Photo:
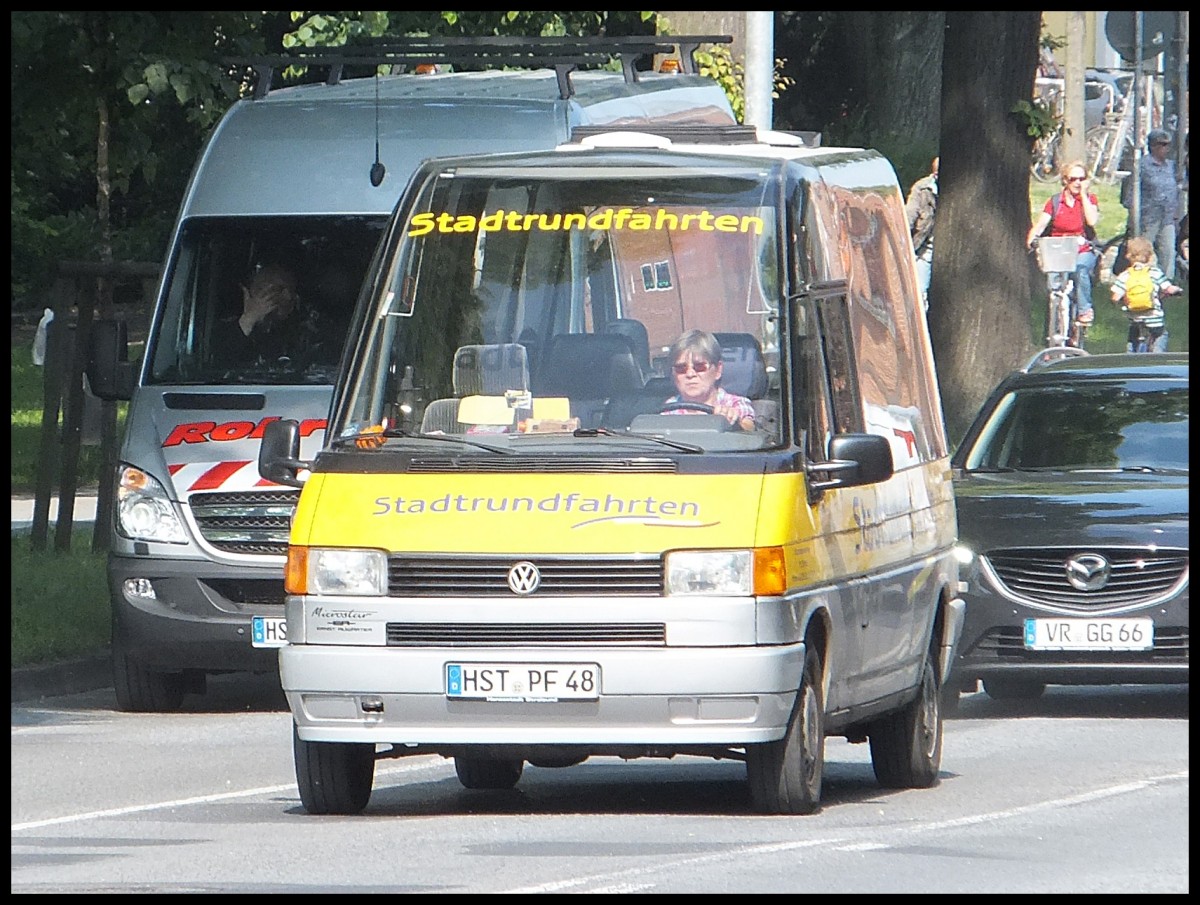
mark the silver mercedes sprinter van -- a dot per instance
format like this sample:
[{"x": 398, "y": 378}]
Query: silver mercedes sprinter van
[{"x": 289, "y": 198}]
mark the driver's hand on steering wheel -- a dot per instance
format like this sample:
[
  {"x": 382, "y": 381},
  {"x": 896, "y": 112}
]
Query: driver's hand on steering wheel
[{"x": 729, "y": 413}]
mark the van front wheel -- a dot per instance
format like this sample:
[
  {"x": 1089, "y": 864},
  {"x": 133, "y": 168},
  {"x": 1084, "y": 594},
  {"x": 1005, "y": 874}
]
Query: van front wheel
[
  {"x": 333, "y": 777},
  {"x": 906, "y": 746},
  {"x": 143, "y": 690},
  {"x": 785, "y": 776}
]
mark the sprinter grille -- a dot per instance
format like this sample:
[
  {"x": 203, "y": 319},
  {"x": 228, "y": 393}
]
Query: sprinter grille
[
  {"x": 487, "y": 576},
  {"x": 254, "y": 523},
  {"x": 524, "y": 634}
]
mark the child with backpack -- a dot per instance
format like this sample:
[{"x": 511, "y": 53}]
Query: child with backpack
[{"x": 1139, "y": 290}]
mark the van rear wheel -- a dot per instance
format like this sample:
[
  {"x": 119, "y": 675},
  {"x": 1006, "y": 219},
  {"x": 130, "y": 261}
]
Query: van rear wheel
[
  {"x": 785, "y": 776},
  {"x": 906, "y": 746},
  {"x": 333, "y": 777},
  {"x": 487, "y": 773}
]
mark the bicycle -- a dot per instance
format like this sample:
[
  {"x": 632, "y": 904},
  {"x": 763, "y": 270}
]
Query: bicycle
[
  {"x": 1143, "y": 337},
  {"x": 1056, "y": 258}
]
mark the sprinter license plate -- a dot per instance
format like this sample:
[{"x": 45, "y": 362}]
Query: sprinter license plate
[
  {"x": 523, "y": 682},
  {"x": 1089, "y": 634},
  {"x": 268, "y": 631}
]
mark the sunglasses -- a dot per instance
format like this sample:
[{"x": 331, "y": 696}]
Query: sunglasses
[
  {"x": 698, "y": 366},
  {"x": 1076, "y": 178}
]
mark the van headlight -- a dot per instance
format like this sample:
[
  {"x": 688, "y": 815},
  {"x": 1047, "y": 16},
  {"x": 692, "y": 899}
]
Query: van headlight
[
  {"x": 760, "y": 572},
  {"x": 336, "y": 571},
  {"x": 144, "y": 511},
  {"x": 709, "y": 573}
]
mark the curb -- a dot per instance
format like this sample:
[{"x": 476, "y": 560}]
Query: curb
[{"x": 87, "y": 673}]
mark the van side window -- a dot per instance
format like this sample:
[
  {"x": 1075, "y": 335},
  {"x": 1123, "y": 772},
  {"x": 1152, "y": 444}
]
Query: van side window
[{"x": 829, "y": 401}]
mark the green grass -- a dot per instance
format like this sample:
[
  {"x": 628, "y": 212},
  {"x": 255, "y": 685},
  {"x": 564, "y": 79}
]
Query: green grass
[
  {"x": 27, "y": 394},
  {"x": 60, "y": 604}
]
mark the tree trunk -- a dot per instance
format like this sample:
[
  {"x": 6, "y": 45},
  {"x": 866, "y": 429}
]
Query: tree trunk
[
  {"x": 983, "y": 278},
  {"x": 900, "y": 54}
]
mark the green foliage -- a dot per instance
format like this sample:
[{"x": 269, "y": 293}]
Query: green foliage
[
  {"x": 1037, "y": 119},
  {"x": 60, "y": 605}
]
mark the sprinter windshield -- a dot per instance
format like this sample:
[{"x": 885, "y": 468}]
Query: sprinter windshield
[
  {"x": 538, "y": 307},
  {"x": 261, "y": 300}
]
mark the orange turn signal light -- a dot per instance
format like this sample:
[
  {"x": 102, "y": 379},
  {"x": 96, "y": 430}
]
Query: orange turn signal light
[
  {"x": 770, "y": 572},
  {"x": 295, "y": 573}
]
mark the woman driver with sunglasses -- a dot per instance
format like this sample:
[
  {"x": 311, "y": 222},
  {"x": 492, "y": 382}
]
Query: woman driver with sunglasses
[{"x": 696, "y": 368}]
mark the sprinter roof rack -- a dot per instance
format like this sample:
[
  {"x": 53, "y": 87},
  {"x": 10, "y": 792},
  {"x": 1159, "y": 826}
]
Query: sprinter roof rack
[
  {"x": 682, "y": 133},
  {"x": 563, "y": 54}
]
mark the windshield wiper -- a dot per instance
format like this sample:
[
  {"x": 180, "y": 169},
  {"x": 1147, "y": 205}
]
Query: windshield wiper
[
  {"x": 624, "y": 435},
  {"x": 399, "y": 432}
]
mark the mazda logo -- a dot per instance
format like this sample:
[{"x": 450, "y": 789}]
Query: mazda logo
[
  {"x": 1085, "y": 571},
  {"x": 524, "y": 578}
]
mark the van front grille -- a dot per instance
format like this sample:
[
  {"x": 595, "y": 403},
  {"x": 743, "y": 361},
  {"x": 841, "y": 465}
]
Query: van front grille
[
  {"x": 254, "y": 523},
  {"x": 524, "y": 634},
  {"x": 488, "y": 576}
]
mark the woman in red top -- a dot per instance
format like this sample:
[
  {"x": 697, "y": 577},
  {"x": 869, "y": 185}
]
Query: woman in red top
[{"x": 1073, "y": 212}]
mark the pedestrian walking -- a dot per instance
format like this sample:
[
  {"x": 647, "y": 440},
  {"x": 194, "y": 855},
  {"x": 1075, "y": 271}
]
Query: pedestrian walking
[{"x": 922, "y": 208}]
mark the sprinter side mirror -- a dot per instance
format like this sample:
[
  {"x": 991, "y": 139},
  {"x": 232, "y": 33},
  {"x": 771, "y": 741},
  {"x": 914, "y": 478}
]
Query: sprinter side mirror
[
  {"x": 279, "y": 455},
  {"x": 854, "y": 460},
  {"x": 109, "y": 371}
]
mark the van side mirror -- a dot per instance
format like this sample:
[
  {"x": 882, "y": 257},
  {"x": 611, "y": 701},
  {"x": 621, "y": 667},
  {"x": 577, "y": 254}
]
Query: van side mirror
[
  {"x": 109, "y": 371},
  {"x": 278, "y": 456},
  {"x": 854, "y": 460}
]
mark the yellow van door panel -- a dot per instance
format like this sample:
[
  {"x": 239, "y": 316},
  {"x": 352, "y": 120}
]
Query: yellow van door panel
[{"x": 530, "y": 513}]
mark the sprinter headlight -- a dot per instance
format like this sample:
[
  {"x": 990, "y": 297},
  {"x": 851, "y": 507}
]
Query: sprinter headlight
[
  {"x": 143, "y": 510},
  {"x": 336, "y": 571}
]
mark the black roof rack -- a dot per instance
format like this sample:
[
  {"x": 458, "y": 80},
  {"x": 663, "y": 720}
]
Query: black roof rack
[{"x": 563, "y": 54}]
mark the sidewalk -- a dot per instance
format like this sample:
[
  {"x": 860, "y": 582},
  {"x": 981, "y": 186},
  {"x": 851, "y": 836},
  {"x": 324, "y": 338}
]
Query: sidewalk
[{"x": 22, "y": 512}]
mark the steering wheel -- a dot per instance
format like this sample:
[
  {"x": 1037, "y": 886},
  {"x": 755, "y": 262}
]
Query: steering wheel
[{"x": 686, "y": 406}]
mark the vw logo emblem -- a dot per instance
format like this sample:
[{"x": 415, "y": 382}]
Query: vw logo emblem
[
  {"x": 1085, "y": 571},
  {"x": 524, "y": 578}
]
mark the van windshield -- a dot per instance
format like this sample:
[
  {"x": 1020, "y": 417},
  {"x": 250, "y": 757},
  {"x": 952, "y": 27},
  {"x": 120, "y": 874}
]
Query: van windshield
[
  {"x": 261, "y": 300},
  {"x": 570, "y": 307}
]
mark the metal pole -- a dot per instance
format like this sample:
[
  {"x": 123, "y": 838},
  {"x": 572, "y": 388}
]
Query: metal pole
[
  {"x": 760, "y": 67},
  {"x": 1135, "y": 203}
]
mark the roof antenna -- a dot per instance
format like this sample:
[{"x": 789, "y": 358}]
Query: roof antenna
[{"x": 377, "y": 168}]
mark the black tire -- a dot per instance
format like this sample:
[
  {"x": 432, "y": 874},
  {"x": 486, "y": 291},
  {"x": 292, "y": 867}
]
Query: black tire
[
  {"x": 785, "y": 776},
  {"x": 333, "y": 777},
  {"x": 906, "y": 746},
  {"x": 487, "y": 773},
  {"x": 1012, "y": 689},
  {"x": 143, "y": 690}
]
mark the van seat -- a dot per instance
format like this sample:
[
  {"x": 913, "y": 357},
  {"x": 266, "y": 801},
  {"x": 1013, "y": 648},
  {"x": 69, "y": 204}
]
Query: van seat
[
  {"x": 744, "y": 369},
  {"x": 487, "y": 370},
  {"x": 491, "y": 369},
  {"x": 588, "y": 368},
  {"x": 639, "y": 338}
]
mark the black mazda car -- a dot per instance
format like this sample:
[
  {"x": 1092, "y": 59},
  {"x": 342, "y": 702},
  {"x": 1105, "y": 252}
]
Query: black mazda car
[{"x": 1072, "y": 497}]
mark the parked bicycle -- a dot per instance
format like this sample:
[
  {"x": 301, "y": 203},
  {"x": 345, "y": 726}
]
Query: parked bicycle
[{"x": 1057, "y": 256}]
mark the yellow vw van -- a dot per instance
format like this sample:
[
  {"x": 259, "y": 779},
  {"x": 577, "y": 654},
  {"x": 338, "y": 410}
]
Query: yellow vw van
[{"x": 636, "y": 451}]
